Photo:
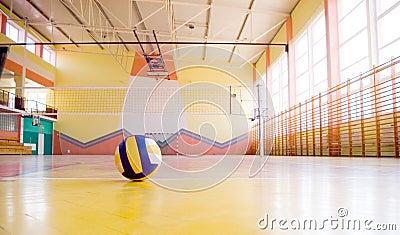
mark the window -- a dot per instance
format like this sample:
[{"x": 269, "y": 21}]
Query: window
[
  {"x": 49, "y": 56},
  {"x": 367, "y": 37},
  {"x": 37, "y": 101},
  {"x": 302, "y": 67},
  {"x": 388, "y": 12},
  {"x": 12, "y": 32},
  {"x": 37, "y": 98},
  {"x": 16, "y": 34},
  {"x": 310, "y": 56},
  {"x": 279, "y": 73},
  {"x": 31, "y": 48},
  {"x": 367, "y": 34},
  {"x": 8, "y": 122},
  {"x": 353, "y": 38}
]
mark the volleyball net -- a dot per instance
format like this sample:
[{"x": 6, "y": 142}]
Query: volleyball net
[
  {"x": 213, "y": 118},
  {"x": 110, "y": 100}
]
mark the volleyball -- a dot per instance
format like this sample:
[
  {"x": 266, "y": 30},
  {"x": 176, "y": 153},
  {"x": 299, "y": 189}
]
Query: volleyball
[{"x": 138, "y": 157}]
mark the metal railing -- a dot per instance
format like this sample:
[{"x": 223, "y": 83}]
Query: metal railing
[
  {"x": 356, "y": 118},
  {"x": 21, "y": 103}
]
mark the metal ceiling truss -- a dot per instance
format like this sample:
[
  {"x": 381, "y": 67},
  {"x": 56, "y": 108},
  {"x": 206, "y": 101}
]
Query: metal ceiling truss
[
  {"x": 231, "y": 7},
  {"x": 98, "y": 22},
  {"x": 108, "y": 30},
  {"x": 91, "y": 12},
  {"x": 110, "y": 22},
  {"x": 34, "y": 6},
  {"x": 79, "y": 17},
  {"x": 175, "y": 29}
]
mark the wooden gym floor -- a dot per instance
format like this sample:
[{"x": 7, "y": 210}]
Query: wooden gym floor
[{"x": 87, "y": 195}]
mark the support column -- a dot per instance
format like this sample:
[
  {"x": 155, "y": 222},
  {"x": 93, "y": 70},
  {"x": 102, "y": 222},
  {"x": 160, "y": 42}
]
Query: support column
[
  {"x": 3, "y": 24},
  {"x": 270, "y": 130},
  {"x": 19, "y": 92},
  {"x": 268, "y": 76},
  {"x": 291, "y": 87},
  {"x": 332, "y": 46}
]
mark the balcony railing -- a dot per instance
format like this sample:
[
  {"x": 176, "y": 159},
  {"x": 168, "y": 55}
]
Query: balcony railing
[{"x": 21, "y": 103}]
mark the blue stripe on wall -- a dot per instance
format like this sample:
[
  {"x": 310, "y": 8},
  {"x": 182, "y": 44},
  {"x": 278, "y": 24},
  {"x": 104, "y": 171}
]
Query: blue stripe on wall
[{"x": 162, "y": 144}]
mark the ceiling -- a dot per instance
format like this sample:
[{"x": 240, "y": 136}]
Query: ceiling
[{"x": 172, "y": 20}]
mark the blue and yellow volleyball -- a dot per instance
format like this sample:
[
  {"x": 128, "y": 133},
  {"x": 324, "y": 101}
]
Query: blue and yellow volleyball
[{"x": 138, "y": 157}]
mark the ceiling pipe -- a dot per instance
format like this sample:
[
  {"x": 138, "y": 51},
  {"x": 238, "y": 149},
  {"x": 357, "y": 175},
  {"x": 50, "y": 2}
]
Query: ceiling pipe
[{"x": 149, "y": 43}]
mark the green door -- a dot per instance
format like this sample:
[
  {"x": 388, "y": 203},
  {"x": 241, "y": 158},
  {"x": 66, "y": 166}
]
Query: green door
[{"x": 31, "y": 135}]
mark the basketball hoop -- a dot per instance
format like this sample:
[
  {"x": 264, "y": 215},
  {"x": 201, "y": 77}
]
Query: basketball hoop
[{"x": 35, "y": 120}]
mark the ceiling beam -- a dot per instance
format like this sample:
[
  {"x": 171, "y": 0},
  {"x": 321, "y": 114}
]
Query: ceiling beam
[
  {"x": 122, "y": 30},
  {"x": 208, "y": 19},
  {"x": 147, "y": 17},
  {"x": 269, "y": 30},
  {"x": 258, "y": 54},
  {"x": 91, "y": 27},
  {"x": 241, "y": 29},
  {"x": 227, "y": 6}
]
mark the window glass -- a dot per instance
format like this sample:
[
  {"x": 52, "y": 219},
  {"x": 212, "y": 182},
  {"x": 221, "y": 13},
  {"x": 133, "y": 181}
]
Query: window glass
[
  {"x": 384, "y": 5},
  {"x": 12, "y": 32},
  {"x": 346, "y": 6},
  {"x": 279, "y": 84},
  {"x": 319, "y": 50},
  {"x": 31, "y": 48},
  {"x": 353, "y": 22},
  {"x": 388, "y": 27},
  {"x": 49, "y": 56},
  {"x": 320, "y": 74},
  {"x": 354, "y": 50},
  {"x": 311, "y": 68}
]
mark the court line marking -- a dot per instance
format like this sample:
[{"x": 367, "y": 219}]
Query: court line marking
[{"x": 169, "y": 179}]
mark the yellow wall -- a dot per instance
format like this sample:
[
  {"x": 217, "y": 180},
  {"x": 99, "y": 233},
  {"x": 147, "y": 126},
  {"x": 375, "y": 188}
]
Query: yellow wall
[
  {"x": 261, "y": 64},
  {"x": 220, "y": 73},
  {"x": 280, "y": 37},
  {"x": 86, "y": 114},
  {"x": 304, "y": 11},
  {"x": 220, "y": 128},
  {"x": 92, "y": 67}
]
